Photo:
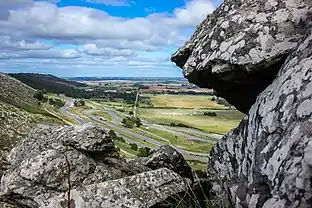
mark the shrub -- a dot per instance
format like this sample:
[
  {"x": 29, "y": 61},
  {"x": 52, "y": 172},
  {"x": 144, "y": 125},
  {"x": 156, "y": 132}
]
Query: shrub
[
  {"x": 145, "y": 152},
  {"x": 210, "y": 113},
  {"x": 134, "y": 146},
  {"x": 120, "y": 139},
  {"x": 112, "y": 134}
]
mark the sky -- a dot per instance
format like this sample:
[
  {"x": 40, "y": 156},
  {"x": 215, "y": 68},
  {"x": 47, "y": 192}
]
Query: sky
[{"x": 97, "y": 38}]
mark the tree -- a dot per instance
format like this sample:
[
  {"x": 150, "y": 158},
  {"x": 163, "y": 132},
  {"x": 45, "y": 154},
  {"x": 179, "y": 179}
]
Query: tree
[
  {"x": 112, "y": 134},
  {"x": 138, "y": 122},
  {"x": 128, "y": 122},
  {"x": 145, "y": 152},
  {"x": 130, "y": 113},
  {"x": 134, "y": 146}
]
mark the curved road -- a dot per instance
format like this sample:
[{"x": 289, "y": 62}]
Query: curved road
[{"x": 69, "y": 103}]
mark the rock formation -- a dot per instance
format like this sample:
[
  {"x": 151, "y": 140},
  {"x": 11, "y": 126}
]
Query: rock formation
[
  {"x": 258, "y": 55},
  {"x": 239, "y": 49},
  {"x": 52, "y": 160}
]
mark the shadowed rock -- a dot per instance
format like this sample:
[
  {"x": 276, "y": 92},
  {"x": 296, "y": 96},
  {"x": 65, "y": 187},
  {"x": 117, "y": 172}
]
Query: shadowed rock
[
  {"x": 267, "y": 160},
  {"x": 239, "y": 48},
  {"x": 168, "y": 157}
]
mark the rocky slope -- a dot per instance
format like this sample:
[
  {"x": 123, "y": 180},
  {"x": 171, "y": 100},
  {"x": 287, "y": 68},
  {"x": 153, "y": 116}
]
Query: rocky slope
[
  {"x": 15, "y": 121},
  {"x": 52, "y": 160},
  {"x": 258, "y": 55}
]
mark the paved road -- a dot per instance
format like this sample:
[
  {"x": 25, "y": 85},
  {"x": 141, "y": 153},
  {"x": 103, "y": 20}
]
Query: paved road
[
  {"x": 69, "y": 103},
  {"x": 112, "y": 112},
  {"x": 189, "y": 155}
]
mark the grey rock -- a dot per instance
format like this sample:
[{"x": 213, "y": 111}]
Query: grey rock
[
  {"x": 239, "y": 49},
  {"x": 168, "y": 157},
  {"x": 138, "y": 191},
  {"x": 267, "y": 160},
  {"x": 40, "y": 164}
]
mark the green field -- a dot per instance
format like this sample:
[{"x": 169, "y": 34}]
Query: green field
[
  {"x": 184, "y": 101},
  {"x": 222, "y": 123}
]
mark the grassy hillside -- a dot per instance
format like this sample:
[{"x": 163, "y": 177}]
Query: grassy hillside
[
  {"x": 12, "y": 90},
  {"x": 19, "y": 112},
  {"x": 48, "y": 82}
]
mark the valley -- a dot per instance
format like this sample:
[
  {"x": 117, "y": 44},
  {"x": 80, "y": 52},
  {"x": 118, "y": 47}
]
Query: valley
[{"x": 170, "y": 112}]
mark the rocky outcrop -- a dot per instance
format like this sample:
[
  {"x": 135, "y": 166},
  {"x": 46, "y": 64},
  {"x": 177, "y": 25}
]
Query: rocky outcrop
[
  {"x": 168, "y": 157},
  {"x": 138, "y": 191},
  {"x": 239, "y": 49},
  {"x": 258, "y": 55},
  {"x": 267, "y": 160},
  {"x": 53, "y": 160}
]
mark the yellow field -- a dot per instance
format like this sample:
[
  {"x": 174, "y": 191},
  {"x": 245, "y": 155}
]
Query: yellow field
[{"x": 184, "y": 101}]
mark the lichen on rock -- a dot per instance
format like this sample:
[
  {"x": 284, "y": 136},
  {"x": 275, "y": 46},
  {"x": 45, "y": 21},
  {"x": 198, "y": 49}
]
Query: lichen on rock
[{"x": 240, "y": 47}]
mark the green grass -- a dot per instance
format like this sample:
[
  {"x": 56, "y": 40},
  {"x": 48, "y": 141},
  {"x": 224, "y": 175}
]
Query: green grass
[
  {"x": 31, "y": 109},
  {"x": 126, "y": 148},
  {"x": 222, "y": 123},
  {"x": 146, "y": 143},
  {"x": 103, "y": 114},
  {"x": 197, "y": 165},
  {"x": 184, "y": 101},
  {"x": 183, "y": 143}
]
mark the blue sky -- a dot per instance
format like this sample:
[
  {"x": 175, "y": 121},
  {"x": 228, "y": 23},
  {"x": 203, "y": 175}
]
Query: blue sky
[{"x": 71, "y": 38}]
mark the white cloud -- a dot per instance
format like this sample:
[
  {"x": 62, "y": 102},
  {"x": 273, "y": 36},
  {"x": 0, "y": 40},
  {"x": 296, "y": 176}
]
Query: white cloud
[
  {"x": 93, "y": 34},
  {"x": 92, "y": 49},
  {"x": 112, "y": 2},
  {"x": 42, "y": 54}
]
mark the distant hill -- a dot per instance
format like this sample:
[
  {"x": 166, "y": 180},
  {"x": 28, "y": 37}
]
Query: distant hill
[{"x": 49, "y": 83}]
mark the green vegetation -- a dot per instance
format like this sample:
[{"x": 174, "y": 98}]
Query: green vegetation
[
  {"x": 130, "y": 122},
  {"x": 184, "y": 101},
  {"x": 31, "y": 109},
  {"x": 145, "y": 152},
  {"x": 181, "y": 142},
  {"x": 79, "y": 103},
  {"x": 222, "y": 123},
  {"x": 103, "y": 114},
  {"x": 56, "y": 102}
]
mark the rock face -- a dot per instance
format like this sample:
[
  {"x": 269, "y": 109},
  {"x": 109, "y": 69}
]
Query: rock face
[
  {"x": 243, "y": 49},
  {"x": 168, "y": 157},
  {"x": 139, "y": 191},
  {"x": 239, "y": 49},
  {"x": 267, "y": 160},
  {"x": 53, "y": 159}
]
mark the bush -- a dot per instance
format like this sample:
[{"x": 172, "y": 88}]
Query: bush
[
  {"x": 134, "y": 146},
  {"x": 128, "y": 122},
  {"x": 209, "y": 113},
  {"x": 56, "y": 102},
  {"x": 79, "y": 103},
  {"x": 145, "y": 152},
  {"x": 112, "y": 134},
  {"x": 120, "y": 139},
  {"x": 40, "y": 96}
]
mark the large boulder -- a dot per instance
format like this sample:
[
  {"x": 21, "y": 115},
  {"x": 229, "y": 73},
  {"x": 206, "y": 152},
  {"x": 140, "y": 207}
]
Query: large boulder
[
  {"x": 45, "y": 159},
  {"x": 239, "y": 48},
  {"x": 83, "y": 159},
  {"x": 168, "y": 157},
  {"x": 138, "y": 191},
  {"x": 267, "y": 160}
]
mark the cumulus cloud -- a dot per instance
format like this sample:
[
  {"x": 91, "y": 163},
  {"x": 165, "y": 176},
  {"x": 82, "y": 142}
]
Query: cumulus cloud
[
  {"x": 42, "y": 54},
  {"x": 92, "y": 49},
  {"x": 27, "y": 26},
  {"x": 112, "y": 2}
]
